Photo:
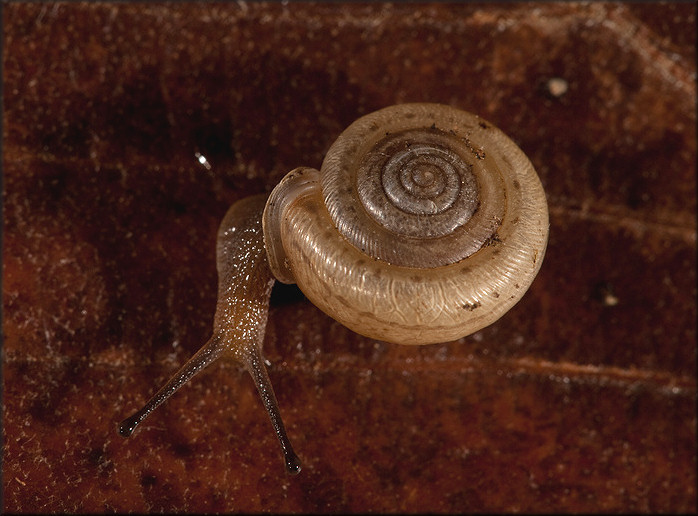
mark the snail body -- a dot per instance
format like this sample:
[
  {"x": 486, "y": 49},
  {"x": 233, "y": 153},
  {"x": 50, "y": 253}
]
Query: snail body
[{"x": 424, "y": 225}]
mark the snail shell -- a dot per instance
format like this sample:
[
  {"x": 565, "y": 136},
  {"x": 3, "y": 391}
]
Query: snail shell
[{"x": 425, "y": 224}]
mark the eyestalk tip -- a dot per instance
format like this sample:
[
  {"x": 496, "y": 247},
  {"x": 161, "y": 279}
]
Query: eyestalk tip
[
  {"x": 293, "y": 463},
  {"x": 128, "y": 425}
]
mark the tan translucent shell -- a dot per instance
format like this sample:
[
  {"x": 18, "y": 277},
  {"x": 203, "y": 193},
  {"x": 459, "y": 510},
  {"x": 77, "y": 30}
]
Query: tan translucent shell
[{"x": 425, "y": 224}]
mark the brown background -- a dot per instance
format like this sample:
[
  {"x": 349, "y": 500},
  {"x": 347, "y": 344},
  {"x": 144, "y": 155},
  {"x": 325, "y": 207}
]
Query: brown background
[{"x": 582, "y": 398}]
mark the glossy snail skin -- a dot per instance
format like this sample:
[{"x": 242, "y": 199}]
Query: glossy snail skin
[
  {"x": 424, "y": 225},
  {"x": 244, "y": 289}
]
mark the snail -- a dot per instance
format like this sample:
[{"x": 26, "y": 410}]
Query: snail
[{"x": 425, "y": 224}]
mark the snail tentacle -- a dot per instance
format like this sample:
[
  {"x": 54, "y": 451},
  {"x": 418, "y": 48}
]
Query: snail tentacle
[
  {"x": 244, "y": 289},
  {"x": 208, "y": 353}
]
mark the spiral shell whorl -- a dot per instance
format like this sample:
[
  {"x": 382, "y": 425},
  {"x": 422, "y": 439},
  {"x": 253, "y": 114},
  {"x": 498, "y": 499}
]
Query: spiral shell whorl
[
  {"x": 405, "y": 185},
  {"x": 414, "y": 187}
]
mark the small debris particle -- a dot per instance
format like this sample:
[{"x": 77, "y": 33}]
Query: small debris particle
[{"x": 557, "y": 87}]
